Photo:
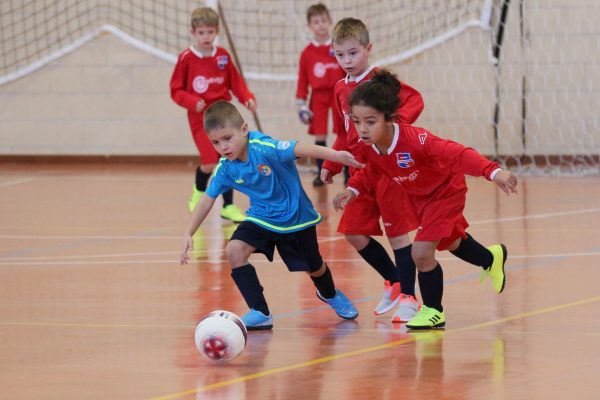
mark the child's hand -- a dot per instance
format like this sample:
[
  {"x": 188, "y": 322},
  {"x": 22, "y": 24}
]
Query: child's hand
[
  {"x": 506, "y": 181},
  {"x": 304, "y": 114},
  {"x": 250, "y": 105},
  {"x": 348, "y": 159},
  {"x": 187, "y": 245},
  {"x": 341, "y": 199},
  {"x": 326, "y": 176},
  {"x": 200, "y": 105}
]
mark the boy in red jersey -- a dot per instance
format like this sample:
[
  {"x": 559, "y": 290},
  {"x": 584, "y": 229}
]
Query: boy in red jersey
[
  {"x": 205, "y": 73},
  {"x": 360, "y": 220},
  {"x": 320, "y": 71},
  {"x": 431, "y": 170}
]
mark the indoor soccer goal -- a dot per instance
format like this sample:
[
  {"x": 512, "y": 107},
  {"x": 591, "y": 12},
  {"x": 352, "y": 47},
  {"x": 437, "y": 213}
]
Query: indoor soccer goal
[{"x": 518, "y": 80}]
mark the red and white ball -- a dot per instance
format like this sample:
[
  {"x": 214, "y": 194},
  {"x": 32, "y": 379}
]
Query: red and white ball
[{"x": 221, "y": 336}]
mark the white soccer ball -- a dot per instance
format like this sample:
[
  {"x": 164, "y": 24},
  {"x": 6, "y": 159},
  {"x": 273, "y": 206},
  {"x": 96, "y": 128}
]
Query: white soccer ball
[{"x": 221, "y": 336}]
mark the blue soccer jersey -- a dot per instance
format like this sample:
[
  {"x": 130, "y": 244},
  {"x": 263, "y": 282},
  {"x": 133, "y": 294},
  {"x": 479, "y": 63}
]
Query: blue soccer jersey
[{"x": 270, "y": 179}]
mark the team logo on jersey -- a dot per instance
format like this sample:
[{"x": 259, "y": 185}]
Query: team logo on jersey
[
  {"x": 346, "y": 121},
  {"x": 222, "y": 62},
  {"x": 320, "y": 69},
  {"x": 201, "y": 84},
  {"x": 239, "y": 181},
  {"x": 404, "y": 161},
  {"x": 422, "y": 137},
  {"x": 283, "y": 145},
  {"x": 264, "y": 169}
]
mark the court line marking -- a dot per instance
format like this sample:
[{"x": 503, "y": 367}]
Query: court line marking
[
  {"x": 62, "y": 260},
  {"x": 324, "y": 239},
  {"x": 16, "y": 182},
  {"x": 366, "y": 350}
]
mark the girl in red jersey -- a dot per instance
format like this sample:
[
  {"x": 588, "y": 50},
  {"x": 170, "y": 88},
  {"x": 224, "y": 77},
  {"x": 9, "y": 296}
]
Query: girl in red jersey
[
  {"x": 386, "y": 202},
  {"x": 431, "y": 171}
]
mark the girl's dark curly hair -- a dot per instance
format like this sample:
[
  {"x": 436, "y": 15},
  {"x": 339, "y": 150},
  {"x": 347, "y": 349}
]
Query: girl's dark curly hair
[{"x": 379, "y": 93}]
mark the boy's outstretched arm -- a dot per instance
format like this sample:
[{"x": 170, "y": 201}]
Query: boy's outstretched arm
[
  {"x": 198, "y": 215},
  {"x": 325, "y": 153}
]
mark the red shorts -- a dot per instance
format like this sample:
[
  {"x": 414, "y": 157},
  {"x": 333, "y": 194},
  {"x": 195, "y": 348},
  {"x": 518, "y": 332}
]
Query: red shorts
[
  {"x": 320, "y": 103},
  {"x": 389, "y": 202},
  {"x": 442, "y": 220},
  {"x": 208, "y": 154}
]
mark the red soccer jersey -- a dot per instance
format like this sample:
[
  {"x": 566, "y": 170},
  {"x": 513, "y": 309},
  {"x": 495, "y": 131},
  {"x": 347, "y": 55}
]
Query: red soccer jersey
[
  {"x": 411, "y": 105},
  {"x": 209, "y": 78},
  {"x": 318, "y": 69},
  {"x": 426, "y": 166}
]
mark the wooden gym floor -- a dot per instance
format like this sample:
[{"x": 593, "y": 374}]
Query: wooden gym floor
[{"x": 95, "y": 306}]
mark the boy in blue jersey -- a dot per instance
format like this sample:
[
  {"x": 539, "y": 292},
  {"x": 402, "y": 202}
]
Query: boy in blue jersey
[{"x": 280, "y": 214}]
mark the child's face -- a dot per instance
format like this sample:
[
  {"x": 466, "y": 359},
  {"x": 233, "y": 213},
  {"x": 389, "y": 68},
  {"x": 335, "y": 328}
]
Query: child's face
[
  {"x": 370, "y": 124},
  {"x": 352, "y": 56},
  {"x": 230, "y": 142},
  {"x": 205, "y": 36},
  {"x": 319, "y": 25}
]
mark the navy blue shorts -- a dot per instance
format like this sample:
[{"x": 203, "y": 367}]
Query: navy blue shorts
[{"x": 298, "y": 250}]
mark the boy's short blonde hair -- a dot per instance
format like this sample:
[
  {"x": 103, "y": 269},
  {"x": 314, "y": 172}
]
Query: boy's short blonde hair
[
  {"x": 317, "y": 9},
  {"x": 222, "y": 114},
  {"x": 351, "y": 28},
  {"x": 204, "y": 16}
]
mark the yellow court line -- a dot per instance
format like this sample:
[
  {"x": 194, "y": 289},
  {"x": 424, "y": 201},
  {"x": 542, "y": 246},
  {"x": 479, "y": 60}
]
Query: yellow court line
[{"x": 366, "y": 350}]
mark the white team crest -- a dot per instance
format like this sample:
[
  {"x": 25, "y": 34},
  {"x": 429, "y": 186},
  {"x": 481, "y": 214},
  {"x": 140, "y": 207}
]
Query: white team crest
[
  {"x": 283, "y": 145},
  {"x": 200, "y": 84},
  {"x": 319, "y": 70},
  {"x": 422, "y": 137}
]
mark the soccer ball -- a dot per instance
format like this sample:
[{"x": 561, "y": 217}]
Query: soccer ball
[{"x": 221, "y": 336}]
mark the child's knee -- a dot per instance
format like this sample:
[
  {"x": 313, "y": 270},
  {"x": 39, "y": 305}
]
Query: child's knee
[
  {"x": 359, "y": 242},
  {"x": 235, "y": 254},
  {"x": 423, "y": 258}
]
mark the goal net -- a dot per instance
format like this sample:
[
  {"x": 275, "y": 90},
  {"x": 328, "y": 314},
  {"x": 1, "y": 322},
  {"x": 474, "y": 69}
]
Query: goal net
[{"x": 518, "y": 80}]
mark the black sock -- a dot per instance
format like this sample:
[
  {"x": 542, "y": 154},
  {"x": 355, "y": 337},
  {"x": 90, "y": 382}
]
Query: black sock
[
  {"x": 407, "y": 271},
  {"x": 228, "y": 198},
  {"x": 474, "y": 253},
  {"x": 247, "y": 282},
  {"x": 431, "y": 284},
  {"x": 379, "y": 259},
  {"x": 201, "y": 180},
  {"x": 319, "y": 161},
  {"x": 324, "y": 284}
]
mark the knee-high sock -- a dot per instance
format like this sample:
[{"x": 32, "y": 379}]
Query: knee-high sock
[
  {"x": 378, "y": 258},
  {"x": 407, "y": 271},
  {"x": 247, "y": 282},
  {"x": 431, "y": 284}
]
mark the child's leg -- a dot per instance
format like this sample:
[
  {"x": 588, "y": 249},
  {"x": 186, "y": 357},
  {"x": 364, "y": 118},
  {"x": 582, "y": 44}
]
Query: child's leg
[
  {"x": 431, "y": 276},
  {"x": 431, "y": 283},
  {"x": 323, "y": 281},
  {"x": 491, "y": 259},
  {"x": 407, "y": 271},
  {"x": 244, "y": 275},
  {"x": 375, "y": 255},
  {"x": 306, "y": 244},
  {"x": 472, "y": 252}
]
